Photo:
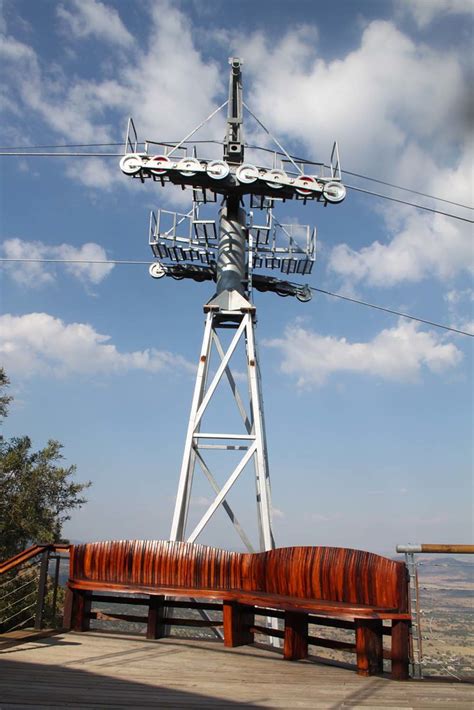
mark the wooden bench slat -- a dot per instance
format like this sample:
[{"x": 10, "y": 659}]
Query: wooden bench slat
[{"x": 257, "y": 599}]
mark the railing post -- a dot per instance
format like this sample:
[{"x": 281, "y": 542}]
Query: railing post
[
  {"x": 57, "y": 560},
  {"x": 42, "y": 588}
]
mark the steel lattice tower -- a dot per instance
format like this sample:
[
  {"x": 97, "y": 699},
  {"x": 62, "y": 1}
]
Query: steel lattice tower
[{"x": 230, "y": 253}]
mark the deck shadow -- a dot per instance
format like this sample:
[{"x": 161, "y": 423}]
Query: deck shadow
[{"x": 47, "y": 686}]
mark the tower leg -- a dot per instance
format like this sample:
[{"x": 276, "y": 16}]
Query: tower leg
[
  {"x": 252, "y": 441},
  {"x": 187, "y": 467}
]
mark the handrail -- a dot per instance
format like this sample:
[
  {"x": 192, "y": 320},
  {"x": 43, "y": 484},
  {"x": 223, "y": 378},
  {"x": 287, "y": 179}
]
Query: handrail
[
  {"x": 410, "y": 551},
  {"x": 30, "y": 552},
  {"x": 434, "y": 549}
]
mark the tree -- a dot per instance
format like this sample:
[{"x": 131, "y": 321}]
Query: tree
[
  {"x": 4, "y": 398},
  {"x": 37, "y": 493}
]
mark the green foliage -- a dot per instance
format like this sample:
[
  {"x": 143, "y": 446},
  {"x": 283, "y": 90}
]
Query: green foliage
[
  {"x": 4, "y": 398},
  {"x": 37, "y": 493}
]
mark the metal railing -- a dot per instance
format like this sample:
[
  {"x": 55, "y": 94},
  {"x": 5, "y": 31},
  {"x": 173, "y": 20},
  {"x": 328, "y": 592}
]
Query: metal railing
[
  {"x": 426, "y": 633},
  {"x": 29, "y": 588}
]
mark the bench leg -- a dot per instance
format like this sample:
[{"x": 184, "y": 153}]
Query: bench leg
[
  {"x": 400, "y": 649},
  {"x": 155, "y": 628},
  {"x": 237, "y": 619},
  {"x": 295, "y": 643},
  {"x": 67, "y": 611},
  {"x": 81, "y": 606},
  {"x": 369, "y": 646}
]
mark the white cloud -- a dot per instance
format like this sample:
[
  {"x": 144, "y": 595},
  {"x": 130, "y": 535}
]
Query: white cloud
[
  {"x": 374, "y": 99},
  {"x": 168, "y": 87},
  {"x": 38, "y": 274},
  {"x": 95, "y": 173},
  {"x": 455, "y": 296},
  {"x": 398, "y": 109},
  {"x": 277, "y": 513},
  {"x": 39, "y": 344},
  {"x": 399, "y": 353},
  {"x": 460, "y": 309},
  {"x": 425, "y": 246},
  {"x": 93, "y": 18},
  {"x": 425, "y": 11}
]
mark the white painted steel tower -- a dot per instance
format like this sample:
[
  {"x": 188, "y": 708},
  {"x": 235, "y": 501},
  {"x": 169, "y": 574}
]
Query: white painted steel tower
[{"x": 230, "y": 251}]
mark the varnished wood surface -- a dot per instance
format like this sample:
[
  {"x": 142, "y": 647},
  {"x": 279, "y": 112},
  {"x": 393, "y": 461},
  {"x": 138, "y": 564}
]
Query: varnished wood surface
[
  {"x": 343, "y": 610},
  {"x": 28, "y": 554},
  {"x": 348, "y": 584},
  {"x": 320, "y": 573},
  {"x": 104, "y": 670}
]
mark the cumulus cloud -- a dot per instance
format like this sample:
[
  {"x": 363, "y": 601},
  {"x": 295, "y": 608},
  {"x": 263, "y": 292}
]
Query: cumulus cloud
[
  {"x": 168, "y": 86},
  {"x": 425, "y": 11},
  {"x": 459, "y": 302},
  {"x": 425, "y": 246},
  {"x": 39, "y": 344},
  {"x": 95, "y": 173},
  {"x": 374, "y": 99},
  {"x": 398, "y": 109},
  {"x": 85, "y": 18},
  {"x": 39, "y": 274},
  {"x": 399, "y": 354}
]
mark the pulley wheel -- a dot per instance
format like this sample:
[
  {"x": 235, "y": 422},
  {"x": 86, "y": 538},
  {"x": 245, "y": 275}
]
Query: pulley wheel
[
  {"x": 247, "y": 173},
  {"x": 157, "y": 270},
  {"x": 304, "y": 294},
  {"x": 189, "y": 166},
  {"x": 334, "y": 191},
  {"x": 218, "y": 169},
  {"x": 131, "y": 164},
  {"x": 159, "y": 164},
  {"x": 278, "y": 179},
  {"x": 309, "y": 180}
]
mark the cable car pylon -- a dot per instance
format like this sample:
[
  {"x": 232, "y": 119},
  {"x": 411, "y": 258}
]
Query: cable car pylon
[{"x": 230, "y": 252}]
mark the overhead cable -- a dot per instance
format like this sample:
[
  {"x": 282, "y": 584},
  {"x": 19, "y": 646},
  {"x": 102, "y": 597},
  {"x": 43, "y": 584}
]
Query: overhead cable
[
  {"x": 390, "y": 310},
  {"x": 407, "y": 189},
  {"x": 411, "y": 204},
  {"x": 349, "y": 187},
  {"x": 313, "y": 288},
  {"x": 7, "y": 150}
]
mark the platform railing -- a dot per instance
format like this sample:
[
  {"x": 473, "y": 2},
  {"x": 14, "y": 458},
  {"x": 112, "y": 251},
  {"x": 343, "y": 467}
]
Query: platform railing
[
  {"x": 29, "y": 588},
  {"x": 419, "y": 615}
]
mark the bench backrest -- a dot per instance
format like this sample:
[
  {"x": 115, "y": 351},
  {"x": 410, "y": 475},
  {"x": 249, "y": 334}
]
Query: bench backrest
[{"x": 326, "y": 573}]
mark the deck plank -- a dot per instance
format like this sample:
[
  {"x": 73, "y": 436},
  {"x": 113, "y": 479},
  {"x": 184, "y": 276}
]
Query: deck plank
[{"x": 96, "y": 669}]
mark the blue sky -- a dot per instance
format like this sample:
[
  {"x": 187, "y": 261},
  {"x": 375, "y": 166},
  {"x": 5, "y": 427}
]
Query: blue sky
[{"x": 369, "y": 416}]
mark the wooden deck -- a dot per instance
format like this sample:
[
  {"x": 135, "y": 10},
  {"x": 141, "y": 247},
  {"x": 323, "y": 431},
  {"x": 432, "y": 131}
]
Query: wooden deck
[{"x": 96, "y": 669}]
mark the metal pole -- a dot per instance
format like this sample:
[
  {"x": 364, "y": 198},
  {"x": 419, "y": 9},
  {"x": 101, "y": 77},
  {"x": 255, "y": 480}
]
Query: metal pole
[
  {"x": 42, "y": 588},
  {"x": 231, "y": 265},
  {"x": 55, "y": 588}
]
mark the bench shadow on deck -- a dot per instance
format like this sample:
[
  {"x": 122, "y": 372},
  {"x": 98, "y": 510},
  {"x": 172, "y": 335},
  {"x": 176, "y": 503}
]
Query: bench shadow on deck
[{"x": 116, "y": 670}]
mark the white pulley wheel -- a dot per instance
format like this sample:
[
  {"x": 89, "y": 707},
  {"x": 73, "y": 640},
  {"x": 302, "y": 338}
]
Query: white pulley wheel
[
  {"x": 278, "y": 179},
  {"x": 218, "y": 169},
  {"x": 309, "y": 180},
  {"x": 131, "y": 164},
  {"x": 334, "y": 192},
  {"x": 156, "y": 270},
  {"x": 159, "y": 164},
  {"x": 188, "y": 166},
  {"x": 247, "y": 173}
]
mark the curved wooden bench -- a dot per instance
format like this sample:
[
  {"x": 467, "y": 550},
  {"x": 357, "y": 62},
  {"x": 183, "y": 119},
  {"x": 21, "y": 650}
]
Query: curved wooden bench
[{"x": 358, "y": 589}]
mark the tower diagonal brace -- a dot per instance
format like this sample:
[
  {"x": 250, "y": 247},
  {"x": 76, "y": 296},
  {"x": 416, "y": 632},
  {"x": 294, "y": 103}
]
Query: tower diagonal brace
[{"x": 252, "y": 442}]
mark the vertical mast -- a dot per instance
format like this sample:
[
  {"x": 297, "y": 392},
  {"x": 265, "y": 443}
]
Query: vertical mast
[
  {"x": 233, "y": 144},
  {"x": 231, "y": 266}
]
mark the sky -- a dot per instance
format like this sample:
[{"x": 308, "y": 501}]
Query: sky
[{"x": 368, "y": 415}]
